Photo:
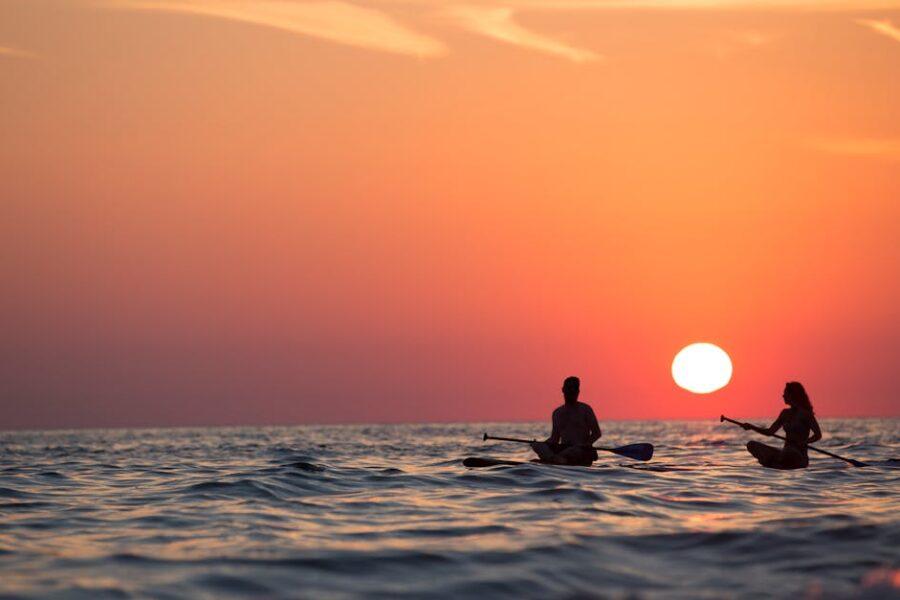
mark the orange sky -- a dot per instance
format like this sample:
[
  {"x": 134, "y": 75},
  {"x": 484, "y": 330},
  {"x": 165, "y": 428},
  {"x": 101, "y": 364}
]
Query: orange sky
[{"x": 224, "y": 212}]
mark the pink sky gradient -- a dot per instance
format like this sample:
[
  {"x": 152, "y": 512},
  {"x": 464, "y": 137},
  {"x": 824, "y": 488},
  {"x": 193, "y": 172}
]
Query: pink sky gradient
[{"x": 289, "y": 212}]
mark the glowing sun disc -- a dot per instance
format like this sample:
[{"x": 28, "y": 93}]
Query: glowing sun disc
[{"x": 701, "y": 368}]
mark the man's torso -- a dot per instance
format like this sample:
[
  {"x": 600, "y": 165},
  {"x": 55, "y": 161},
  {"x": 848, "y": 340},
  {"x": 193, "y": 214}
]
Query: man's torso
[{"x": 573, "y": 422}]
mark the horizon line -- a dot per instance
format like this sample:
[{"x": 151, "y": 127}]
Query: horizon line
[{"x": 398, "y": 423}]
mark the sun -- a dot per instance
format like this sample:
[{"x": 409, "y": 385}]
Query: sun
[{"x": 702, "y": 368}]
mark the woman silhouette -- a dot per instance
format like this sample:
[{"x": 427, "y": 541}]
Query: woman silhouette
[{"x": 797, "y": 420}]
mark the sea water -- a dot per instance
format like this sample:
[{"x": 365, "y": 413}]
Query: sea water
[{"x": 388, "y": 511}]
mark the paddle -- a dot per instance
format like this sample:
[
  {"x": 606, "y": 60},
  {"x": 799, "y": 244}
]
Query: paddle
[
  {"x": 635, "y": 451},
  {"x": 855, "y": 463}
]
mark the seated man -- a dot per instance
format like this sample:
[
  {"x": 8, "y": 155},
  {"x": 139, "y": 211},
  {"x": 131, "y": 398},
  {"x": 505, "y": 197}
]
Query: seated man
[{"x": 575, "y": 429}]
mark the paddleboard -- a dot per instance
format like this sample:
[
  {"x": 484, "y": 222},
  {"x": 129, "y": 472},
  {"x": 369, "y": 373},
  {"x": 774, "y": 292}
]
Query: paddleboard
[{"x": 478, "y": 461}]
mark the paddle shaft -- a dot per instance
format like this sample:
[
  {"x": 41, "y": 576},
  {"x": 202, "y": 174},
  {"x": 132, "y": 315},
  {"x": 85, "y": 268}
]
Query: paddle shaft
[
  {"x": 521, "y": 441},
  {"x": 855, "y": 463}
]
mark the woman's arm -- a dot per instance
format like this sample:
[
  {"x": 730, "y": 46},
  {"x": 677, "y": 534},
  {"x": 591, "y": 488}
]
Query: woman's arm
[
  {"x": 772, "y": 428},
  {"x": 816, "y": 432}
]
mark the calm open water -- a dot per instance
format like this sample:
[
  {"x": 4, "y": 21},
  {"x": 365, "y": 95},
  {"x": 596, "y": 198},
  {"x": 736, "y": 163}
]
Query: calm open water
[{"x": 388, "y": 511}]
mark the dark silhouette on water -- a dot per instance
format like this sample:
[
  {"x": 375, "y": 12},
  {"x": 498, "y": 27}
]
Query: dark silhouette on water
[
  {"x": 641, "y": 451},
  {"x": 798, "y": 420},
  {"x": 855, "y": 463},
  {"x": 574, "y": 431}
]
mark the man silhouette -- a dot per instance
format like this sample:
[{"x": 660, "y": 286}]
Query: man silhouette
[{"x": 575, "y": 429}]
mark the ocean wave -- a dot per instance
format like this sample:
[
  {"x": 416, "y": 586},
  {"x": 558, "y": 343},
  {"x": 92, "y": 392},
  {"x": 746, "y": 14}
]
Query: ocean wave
[{"x": 282, "y": 512}]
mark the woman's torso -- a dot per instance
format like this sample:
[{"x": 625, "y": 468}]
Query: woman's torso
[{"x": 797, "y": 425}]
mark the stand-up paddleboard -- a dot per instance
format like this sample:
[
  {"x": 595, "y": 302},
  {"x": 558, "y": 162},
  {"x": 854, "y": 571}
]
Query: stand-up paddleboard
[
  {"x": 483, "y": 461},
  {"x": 479, "y": 461},
  {"x": 642, "y": 451}
]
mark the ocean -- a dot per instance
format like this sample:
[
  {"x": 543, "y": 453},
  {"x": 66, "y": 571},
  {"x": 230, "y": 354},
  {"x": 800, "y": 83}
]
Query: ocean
[{"x": 388, "y": 511}]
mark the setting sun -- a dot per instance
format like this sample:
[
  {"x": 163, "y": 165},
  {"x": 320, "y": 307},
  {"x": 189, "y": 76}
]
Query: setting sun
[{"x": 702, "y": 368}]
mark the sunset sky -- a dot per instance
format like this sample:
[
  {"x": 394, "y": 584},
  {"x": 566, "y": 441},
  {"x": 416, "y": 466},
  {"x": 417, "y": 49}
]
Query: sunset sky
[{"x": 247, "y": 212}]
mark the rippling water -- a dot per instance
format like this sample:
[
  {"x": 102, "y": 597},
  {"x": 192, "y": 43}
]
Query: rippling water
[{"x": 388, "y": 511}]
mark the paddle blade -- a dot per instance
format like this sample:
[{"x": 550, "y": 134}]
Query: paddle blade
[
  {"x": 635, "y": 451},
  {"x": 856, "y": 463}
]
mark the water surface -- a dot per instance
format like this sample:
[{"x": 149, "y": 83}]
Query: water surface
[{"x": 388, "y": 511}]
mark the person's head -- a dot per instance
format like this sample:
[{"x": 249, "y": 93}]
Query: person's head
[
  {"x": 570, "y": 389},
  {"x": 796, "y": 397}
]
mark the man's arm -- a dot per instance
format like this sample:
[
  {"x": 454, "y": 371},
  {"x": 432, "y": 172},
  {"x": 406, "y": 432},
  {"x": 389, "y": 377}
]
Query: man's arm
[
  {"x": 554, "y": 433},
  {"x": 594, "y": 425}
]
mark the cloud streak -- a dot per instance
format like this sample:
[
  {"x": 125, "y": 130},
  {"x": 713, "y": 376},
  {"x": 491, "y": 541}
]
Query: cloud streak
[
  {"x": 760, "y": 5},
  {"x": 370, "y": 26},
  {"x": 16, "y": 53},
  {"x": 331, "y": 20},
  {"x": 884, "y": 27},
  {"x": 883, "y": 148},
  {"x": 499, "y": 24}
]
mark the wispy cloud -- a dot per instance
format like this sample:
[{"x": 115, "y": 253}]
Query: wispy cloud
[
  {"x": 750, "y": 37},
  {"x": 728, "y": 43},
  {"x": 804, "y": 5},
  {"x": 330, "y": 20},
  {"x": 16, "y": 53},
  {"x": 376, "y": 25},
  {"x": 499, "y": 24},
  {"x": 882, "y": 26},
  {"x": 884, "y": 148}
]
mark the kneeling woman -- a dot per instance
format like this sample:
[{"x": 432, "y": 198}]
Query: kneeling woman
[{"x": 797, "y": 420}]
